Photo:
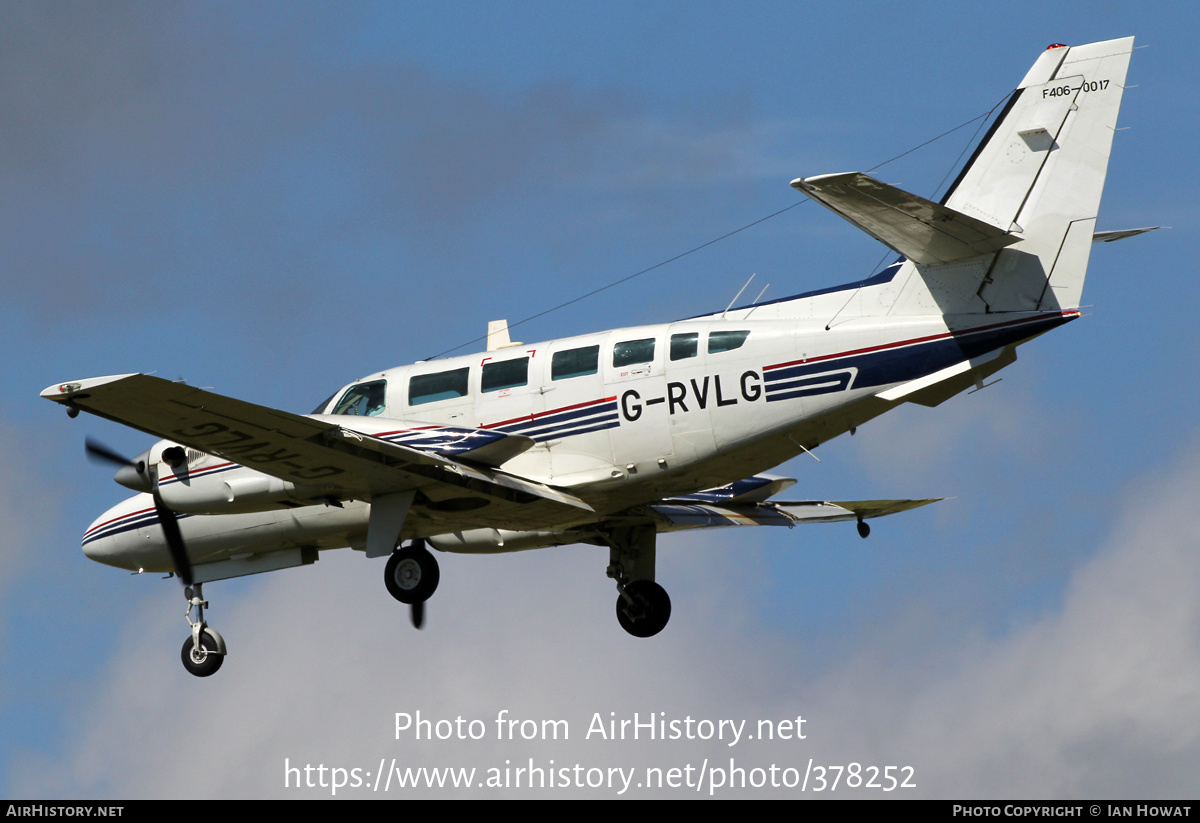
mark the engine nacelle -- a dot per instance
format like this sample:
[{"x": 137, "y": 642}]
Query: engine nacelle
[
  {"x": 496, "y": 541},
  {"x": 192, "y": 482}
]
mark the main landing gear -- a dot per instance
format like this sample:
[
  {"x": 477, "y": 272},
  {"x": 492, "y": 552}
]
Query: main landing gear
[
  {"x": 412, "y": 576},
  {"x": 643, "y": 607},
  {"x": 203, "y": 652}
]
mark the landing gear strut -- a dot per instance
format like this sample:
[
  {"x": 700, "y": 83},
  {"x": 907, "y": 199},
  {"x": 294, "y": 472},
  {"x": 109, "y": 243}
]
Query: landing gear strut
[
  {"x": 643, "y": 607},
  {"x": 203, "y": 652},
  {"x": 412, "y": 576}
]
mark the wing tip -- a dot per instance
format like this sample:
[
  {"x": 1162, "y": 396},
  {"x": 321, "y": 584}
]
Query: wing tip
[{"x": 61, "y": 392}]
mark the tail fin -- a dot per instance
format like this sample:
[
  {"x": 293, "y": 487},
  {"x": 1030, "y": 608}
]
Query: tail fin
[
  {"x": 1040, "y": 173},
  {"x": 1015, "y": 230}
]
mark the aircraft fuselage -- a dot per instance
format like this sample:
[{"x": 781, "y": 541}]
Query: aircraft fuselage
[{"x": 621, "y": 418}]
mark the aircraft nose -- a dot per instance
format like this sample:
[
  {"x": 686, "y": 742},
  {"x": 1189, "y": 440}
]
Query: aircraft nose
[
  {"x": 99, "y": 549},
  {"x": 102, "y": 547},
  {"x": 117, "y": 537}
]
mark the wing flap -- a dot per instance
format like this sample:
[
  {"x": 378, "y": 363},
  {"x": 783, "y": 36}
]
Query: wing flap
[{"x": 919, "y": 229}]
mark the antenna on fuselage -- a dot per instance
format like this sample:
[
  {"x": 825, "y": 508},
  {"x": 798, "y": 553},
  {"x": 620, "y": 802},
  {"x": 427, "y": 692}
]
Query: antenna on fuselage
[
  {"x": 739, "y": 294},
  {"x": 497, "y": 336}
]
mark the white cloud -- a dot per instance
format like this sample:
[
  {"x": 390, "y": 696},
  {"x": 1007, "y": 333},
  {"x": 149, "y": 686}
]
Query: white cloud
[{"x": 1097, "y": 697}]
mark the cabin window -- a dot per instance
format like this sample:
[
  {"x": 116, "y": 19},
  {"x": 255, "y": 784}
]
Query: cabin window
[
  {"x": 444, "y": 385},
  {"x": 506, "y": 374},
  {"x": 719, "y": 341},
  {"x": 575, "y": 362},
  {"x": 684, "y": 346},
  {"x": 365, "y": 399},
  {"x": 632, "y": 352}
]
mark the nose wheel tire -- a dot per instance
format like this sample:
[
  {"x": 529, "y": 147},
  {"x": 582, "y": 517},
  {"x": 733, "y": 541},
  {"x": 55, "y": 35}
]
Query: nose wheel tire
[
  {"x": 205, "y": 660},
  {"x": 411, "y": 575},
  {"x": 649, "y": 613}
]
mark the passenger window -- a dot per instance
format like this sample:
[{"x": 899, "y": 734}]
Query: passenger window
[
  {"x": 506, "y": 374},
  {"x": 631, "y": 352},
  {"x": 429, "y": 388},
  {"x": 575, "y": 362},
  {"x": 365, "y": 399},
  {"x": 719, "y": 341},
  {"x": 684, "y": 346}
]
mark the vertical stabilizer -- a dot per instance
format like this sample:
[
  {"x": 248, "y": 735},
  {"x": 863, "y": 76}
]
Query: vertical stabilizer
[
  {"x": 1039, "y": 175},
  {"x": 1014, "y": 231}
]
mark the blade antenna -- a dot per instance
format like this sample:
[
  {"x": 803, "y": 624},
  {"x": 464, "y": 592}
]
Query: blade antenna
[{"x": 736, "y": 296}]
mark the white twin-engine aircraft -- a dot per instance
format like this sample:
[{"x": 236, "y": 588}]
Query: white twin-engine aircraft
[{"x": 616, "y": 437}]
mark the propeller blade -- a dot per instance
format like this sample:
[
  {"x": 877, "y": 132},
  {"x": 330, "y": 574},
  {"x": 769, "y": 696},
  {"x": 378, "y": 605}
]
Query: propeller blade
[
  {"x": 131, "y": 475},
  {"x": 418, "y": 614},
  {"x": 166, "y": 517},
  {"x": 98, "y": 451},
  {"x": 170, "y": 527}
]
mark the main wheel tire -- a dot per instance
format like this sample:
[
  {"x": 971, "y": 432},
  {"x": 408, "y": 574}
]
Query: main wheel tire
[
  {"x": 411, "y": 575},
  {"x": 204, "y": 661},
  {"x": 654, "y": 606}
]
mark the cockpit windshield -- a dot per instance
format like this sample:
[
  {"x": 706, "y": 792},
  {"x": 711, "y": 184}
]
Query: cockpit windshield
[
  {"x": 320, "y": 409},
  {"x": 364, "y": 399}
]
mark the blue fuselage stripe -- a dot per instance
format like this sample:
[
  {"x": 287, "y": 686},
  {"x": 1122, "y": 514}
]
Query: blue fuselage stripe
[{"x": 902, "y": 363}]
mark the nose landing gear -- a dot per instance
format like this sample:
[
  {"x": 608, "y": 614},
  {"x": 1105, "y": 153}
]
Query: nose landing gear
[{"x": 203, "y": 652}]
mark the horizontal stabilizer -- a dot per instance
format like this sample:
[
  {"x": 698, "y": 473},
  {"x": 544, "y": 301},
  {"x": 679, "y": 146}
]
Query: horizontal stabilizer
[
  {"x": 921, "y": 230},
  {"x": 1110, "y": 236},
  {"x": 918, "y": 391}
]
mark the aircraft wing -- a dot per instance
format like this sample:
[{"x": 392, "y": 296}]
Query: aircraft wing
[
  {"x": 919, "y": 229},
  {"x": 676, "y": 515},
  {"x": 314, "y": 453}
]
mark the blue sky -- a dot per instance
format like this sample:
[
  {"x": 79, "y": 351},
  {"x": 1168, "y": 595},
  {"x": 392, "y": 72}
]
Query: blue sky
[{"x": 274, "y": 199}]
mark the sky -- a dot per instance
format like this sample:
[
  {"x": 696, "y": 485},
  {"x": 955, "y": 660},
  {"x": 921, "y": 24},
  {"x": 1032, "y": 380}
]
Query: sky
[{"x": 273, "y": 199}]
